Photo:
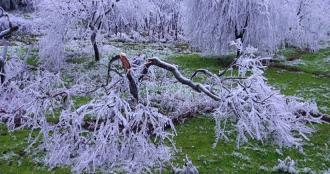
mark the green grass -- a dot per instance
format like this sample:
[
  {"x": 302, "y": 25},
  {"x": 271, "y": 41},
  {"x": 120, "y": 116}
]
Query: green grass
[
  {"x": 317, "y": 63},
  {"x": 79, "y": 60},
  {"x": 196, "y": 138},
  {"x": 53, "y": 117},
  {"x": 81, "y": 100},
  {"x": 194, "y": 61},
  {"x": 14, "y": 159},
  {"x": 32, "y": 61}
]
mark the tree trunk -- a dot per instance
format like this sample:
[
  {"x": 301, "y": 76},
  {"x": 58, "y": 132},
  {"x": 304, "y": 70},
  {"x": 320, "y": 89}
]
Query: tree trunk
[
  {"x": 2, "y": 71},
  {"x": 2, "y": 64},
  {"x": 95, "y": 47},
  {"x": 12, "y": 4}
]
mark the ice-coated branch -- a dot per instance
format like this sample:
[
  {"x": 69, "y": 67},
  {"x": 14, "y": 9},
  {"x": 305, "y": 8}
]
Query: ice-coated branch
[
  {"x": 203, "y": 71},
  {"x": 174, "y": 70}
]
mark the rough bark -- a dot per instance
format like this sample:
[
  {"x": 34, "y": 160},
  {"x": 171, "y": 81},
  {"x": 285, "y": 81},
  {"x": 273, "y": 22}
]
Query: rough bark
[
  {"x": 2, "y": 71},
  {"x": 95, "y": 25},
  {"x": 95, "y": 47}
]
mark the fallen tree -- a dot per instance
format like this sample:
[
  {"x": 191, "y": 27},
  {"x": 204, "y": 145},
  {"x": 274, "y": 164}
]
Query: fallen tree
[{"x": 134, "y": 104}]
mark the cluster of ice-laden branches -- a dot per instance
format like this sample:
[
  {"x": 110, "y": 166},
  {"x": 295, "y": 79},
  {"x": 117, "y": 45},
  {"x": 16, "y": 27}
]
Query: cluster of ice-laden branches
[
  {"x": 240, "y": 95},
  {"x": 127, "y": 123},
  {"x": 107, "y": 134},
  {"x": 27, "y": 95},
  {"x": 259, "y": 111},
  {"x": 110, "y": 133}
]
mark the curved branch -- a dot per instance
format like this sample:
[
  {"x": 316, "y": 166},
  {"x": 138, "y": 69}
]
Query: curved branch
[
  {"x": 174, "y": 70},
  {"x": 203, "y": 71}
]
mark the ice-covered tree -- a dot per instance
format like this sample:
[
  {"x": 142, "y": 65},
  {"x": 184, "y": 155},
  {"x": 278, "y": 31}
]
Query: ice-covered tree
[
  {"x": 160, "y": 22},
  {"x": 109, "y": 133},
  {"x": 313, "y": 23},
  {"x": 211, "y": 25},
  {"x": 257, "y": 110},
  {"x": 65, "y": 21},
  {"x": 68, "y": 20}
]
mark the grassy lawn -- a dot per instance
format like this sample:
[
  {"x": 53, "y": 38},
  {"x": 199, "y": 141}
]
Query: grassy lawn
[
  {"x": 195, "y": 61},
  {"x": 310, "y": 62},
  {"x": 196, "y": 136},
  {"x": 13, "y": 159}
]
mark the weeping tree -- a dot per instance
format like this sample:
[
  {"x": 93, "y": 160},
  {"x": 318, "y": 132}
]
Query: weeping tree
[
  {"x": 313, "y": 23},
  {"x": 267, "y": 25}
]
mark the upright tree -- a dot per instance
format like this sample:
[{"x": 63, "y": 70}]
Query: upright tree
[
  {"x": 76, "y": 19},
  {"x": 264, "y": 24}
]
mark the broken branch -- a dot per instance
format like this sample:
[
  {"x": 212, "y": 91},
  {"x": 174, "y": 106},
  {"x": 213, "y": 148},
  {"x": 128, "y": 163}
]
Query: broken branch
[{"x": 127, "y": 66}]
